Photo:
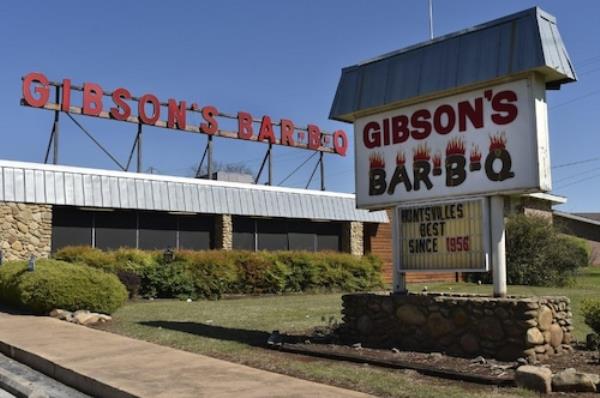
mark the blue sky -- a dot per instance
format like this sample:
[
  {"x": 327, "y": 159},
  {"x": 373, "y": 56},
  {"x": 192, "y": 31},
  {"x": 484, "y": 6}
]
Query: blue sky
[{"x": 280, "y": 58}]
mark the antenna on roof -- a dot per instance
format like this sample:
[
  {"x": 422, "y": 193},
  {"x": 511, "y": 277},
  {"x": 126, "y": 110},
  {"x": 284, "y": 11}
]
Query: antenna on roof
[{"x": 430, "y": 19}]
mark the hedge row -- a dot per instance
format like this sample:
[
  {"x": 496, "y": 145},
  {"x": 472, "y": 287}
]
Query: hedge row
[
  {"x": 57, "y": 284},
  {"x": 211, "y": 274}
]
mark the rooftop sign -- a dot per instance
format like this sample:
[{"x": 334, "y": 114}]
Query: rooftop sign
[{"x": 121, "y": 105}]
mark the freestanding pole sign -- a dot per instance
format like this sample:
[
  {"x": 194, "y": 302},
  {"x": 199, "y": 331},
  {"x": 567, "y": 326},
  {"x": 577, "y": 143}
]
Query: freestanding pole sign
[{"x": 458, "y": 122}]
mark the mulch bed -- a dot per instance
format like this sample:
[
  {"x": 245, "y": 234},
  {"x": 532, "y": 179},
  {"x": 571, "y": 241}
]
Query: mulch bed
[{"x": 476, "y": 370}]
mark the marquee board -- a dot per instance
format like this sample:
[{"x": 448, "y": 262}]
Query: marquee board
[{"x": 443, "y": 236}]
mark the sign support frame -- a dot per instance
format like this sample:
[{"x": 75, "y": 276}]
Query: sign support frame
[{"x": 498, "y": 246}]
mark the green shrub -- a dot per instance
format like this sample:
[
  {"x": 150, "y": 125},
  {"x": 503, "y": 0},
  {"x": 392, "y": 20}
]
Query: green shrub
[
  {"x": 87, "y": 255},
  {"x": 538, "y": 254},
  {"x": 590, "y": 309},
  {"x": 213, "y": 273},
  {"x": 168, "y": 280},
  {"x": 57, "y": 284}
]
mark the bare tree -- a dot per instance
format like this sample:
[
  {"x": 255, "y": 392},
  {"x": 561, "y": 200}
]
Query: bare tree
[{"x": 238, "y": 167}]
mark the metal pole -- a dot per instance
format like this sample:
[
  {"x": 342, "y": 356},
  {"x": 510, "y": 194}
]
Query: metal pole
[
  {"x": 322, "y": 167},
  {"x": 430, "y": 19},
  {"x": 139, "y": 148},
  {"x": 399, "y": 278},
  {"x": 269, "y": 153},
  {"x": 209, "y": 156},
  {"x": 498, "y": 247},
  {"x": 56, "y": 128}
]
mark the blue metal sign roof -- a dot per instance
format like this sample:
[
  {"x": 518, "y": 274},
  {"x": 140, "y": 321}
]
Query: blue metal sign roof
[{"x": 523, "y": 42}]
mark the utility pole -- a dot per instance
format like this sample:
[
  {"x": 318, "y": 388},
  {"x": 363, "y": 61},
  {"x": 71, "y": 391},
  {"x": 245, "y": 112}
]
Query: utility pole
[{"x": 430, "y": 19}]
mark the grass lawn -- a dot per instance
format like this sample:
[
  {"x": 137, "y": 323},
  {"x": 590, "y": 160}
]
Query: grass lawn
[{"x": 233, "y": 330}]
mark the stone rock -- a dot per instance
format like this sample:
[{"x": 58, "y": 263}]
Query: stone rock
[
  {"x": 63, "y": 315},
  {"x": 438, "y": 326},
  {"x": 469, "y": 343},
  {"x": 102, "y": 318},
  {"x": 556, "y": 335},
  {"x": 411, "y": 315},
  {"x": 534, "y": 378},
  {"x": 85, "y": 319},
  {"x": 534, "y": 336},
  {"x": 364, "y": 324},
  {"x": 17, "y": 245},
  {"x": 569, "y": 380},
  {"x": 545, "y": 317},
  {"x": 480, "y": 360},
  {"x": 460, "y": 317},
  {"x": 567, "y": 338},
  {"x": 491, "y": 328},
  {"x": 547, "y": 335}
]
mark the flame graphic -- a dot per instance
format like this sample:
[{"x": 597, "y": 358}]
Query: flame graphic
[
  {"x": 400, "y": 158},
  {"x": 421, "y": 152},
  {"x": 475, "y": 154},
  {"x": 376, "y": 161},
  {"x": 498, "y": 141},
  {"x": 437, "y": 160},
  {"x": 456, "y": 146}
]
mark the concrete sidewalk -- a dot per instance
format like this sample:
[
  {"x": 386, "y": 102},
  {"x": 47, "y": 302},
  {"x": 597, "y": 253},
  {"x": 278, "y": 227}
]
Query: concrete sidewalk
[{"x": 107, "y": 365}]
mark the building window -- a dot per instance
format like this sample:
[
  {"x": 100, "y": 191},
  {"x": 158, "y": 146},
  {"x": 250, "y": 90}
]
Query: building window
[
  {"x": 158, "y": 231},
  {"x": 196, "y": 232},
  {"x": 147, "y": 230},
  {"x": 272, "y": 235},
  {"x": 115, "y": 229},
  {"x": 71, "y": 226},
  {"x": 244, "y": 231},
  {"x": 282, "y": 234}
]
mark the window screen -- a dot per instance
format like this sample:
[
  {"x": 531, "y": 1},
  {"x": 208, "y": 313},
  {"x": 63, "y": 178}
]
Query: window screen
[
  {"x": 301, "y": 236},
  {"x": 272, "y": 234},
  {"x": 328, "y": 236},
  {"x": 71, "y": 227},
  {"x": 115, "y": 229},
  {"x": 158, "y": 231},
  {"x": 196, "y": 232},
  {"x": 243, "y": 233}
]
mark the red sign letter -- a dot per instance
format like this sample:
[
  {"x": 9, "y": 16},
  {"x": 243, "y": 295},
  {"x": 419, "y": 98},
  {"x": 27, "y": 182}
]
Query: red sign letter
[
  {"x": 42, "y": 91},
  {"x": 211, "y": 126},
  {"x": 314, "y": 136},
  {"x": 66, "y": 95},
  {"x": 245, "y": 125},
  {"x": 340, "y": 147},
  {"x": 266, "y": 130},
  {"x": 176, "y": 115},
  {"x": 92, "y": 95},
  {"x": 149, "y": 99},
  {"x": 287, "y": 132},
  {"x": 118, "y": 96}
]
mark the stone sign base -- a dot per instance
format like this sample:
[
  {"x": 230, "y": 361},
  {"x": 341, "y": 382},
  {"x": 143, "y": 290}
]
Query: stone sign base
[{"x": 460, "y": 324}]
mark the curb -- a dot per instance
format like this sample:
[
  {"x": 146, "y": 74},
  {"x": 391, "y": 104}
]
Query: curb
[
  {"x": 396, "y": 364},
  {"x": 82, "y": 383}
]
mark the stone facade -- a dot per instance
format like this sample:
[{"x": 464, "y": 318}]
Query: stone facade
[
  {"x": 224, "y": 232},
  {"x": 353, "y": 238},
  {"x": 25, "y": 229},
  {"x": 460, "y": 324}
]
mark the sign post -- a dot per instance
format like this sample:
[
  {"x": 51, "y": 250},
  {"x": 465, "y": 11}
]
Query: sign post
[{"x": 497, "y": 234}]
